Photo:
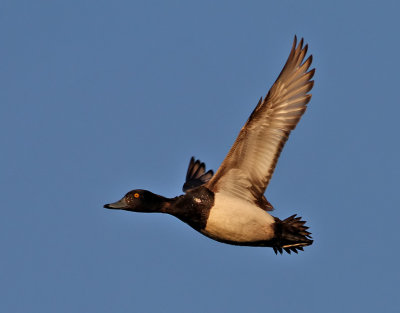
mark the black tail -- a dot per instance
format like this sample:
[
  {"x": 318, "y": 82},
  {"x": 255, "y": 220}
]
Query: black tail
[{"x": 291, "y": 235}]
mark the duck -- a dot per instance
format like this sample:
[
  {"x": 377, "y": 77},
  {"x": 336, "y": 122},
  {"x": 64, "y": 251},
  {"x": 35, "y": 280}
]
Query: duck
[{"x": 230, "y": 206}]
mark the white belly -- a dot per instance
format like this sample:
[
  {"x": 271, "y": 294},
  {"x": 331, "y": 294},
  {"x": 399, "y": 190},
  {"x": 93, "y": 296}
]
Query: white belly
[{"x": 234, "y": 219}]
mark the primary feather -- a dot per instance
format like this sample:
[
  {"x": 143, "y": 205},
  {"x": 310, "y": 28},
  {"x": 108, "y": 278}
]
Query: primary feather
[{"x": 250, "y": 163}]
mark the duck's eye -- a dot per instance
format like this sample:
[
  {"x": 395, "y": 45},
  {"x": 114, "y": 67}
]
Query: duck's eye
[{"x": 136, "y": 195}]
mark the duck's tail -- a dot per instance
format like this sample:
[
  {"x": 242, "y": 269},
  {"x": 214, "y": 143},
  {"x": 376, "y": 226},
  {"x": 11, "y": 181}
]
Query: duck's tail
[{"x": 291, "y": 235}]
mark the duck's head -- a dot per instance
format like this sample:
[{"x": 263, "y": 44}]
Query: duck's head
[{"x": 139, "y": 200}]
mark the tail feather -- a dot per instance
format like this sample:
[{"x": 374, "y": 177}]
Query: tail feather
[{"x": 291, "y": 235}]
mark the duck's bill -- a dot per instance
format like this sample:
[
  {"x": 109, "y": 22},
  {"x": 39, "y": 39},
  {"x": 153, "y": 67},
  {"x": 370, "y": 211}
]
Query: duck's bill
[{"x": 119, "y": 205}]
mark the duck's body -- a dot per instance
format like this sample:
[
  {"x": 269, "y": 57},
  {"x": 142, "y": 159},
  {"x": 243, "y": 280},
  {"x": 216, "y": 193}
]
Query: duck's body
[
  {"x": 222, "y": 218},
  {"x": 230, "y": 206},
  {"x": 235, "y": 221}
]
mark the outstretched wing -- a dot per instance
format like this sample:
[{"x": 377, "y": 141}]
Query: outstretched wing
[
  {"x": 196, "y": 175},
  {"x": 249, "y": 165}
]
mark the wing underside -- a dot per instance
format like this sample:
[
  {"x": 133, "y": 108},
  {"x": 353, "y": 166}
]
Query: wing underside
[{"x": 250, "y": 163}]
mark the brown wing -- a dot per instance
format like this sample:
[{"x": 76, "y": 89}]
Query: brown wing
[{"x": 249, "y": 165}]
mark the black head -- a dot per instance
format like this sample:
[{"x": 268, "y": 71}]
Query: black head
[{"x": 139, "y": 200}]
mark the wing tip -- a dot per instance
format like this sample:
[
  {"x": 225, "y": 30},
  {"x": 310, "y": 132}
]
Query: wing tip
[{"x": 196, "y": 174}]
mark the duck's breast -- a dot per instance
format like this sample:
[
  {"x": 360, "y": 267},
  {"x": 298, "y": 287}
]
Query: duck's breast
[{"x": 236, "y": 220}]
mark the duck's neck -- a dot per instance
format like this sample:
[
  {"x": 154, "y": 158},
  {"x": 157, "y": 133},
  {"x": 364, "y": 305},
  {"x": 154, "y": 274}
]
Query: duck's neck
[{"x": 164, "y": 204}]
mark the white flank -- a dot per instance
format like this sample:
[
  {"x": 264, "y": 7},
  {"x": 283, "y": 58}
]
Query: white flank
[{"x": 234, "y": 219}]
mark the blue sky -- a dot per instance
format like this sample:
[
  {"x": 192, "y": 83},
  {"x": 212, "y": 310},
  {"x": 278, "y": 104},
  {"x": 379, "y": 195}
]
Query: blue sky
[{"x": 100, "y": 97}]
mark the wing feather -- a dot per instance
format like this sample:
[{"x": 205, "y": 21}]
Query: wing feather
[
  {"x": 196, "y": 175},
  {"x": 250, "y": 163}
]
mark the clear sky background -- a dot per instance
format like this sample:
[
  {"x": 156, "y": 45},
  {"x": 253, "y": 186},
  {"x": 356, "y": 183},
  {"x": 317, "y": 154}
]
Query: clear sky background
[{"x": 100, "y": 97}]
